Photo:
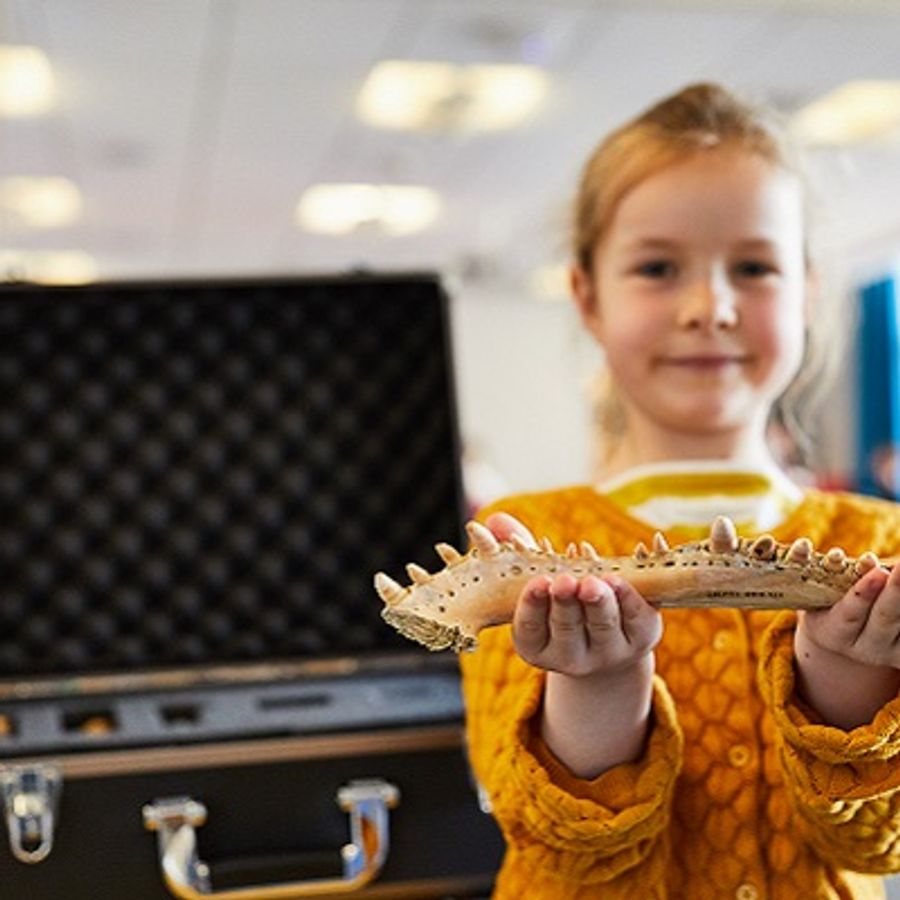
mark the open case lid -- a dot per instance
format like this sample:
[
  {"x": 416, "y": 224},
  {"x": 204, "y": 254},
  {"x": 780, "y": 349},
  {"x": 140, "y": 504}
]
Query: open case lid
[{"x": 208, "y": 473}]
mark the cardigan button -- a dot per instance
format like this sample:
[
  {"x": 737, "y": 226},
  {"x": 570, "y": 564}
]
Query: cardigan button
[
  {"x": 738, "y": 755},
  {"x": 721, "y": 640},
  {"x": 746, "y": 892}
]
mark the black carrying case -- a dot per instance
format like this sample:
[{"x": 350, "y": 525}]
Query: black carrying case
[{"x": 197, "y": 694}]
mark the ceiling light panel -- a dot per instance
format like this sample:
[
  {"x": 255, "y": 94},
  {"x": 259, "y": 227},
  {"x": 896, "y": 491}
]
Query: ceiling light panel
[
  {"x": 339, "y": 209},
  {"x": 57, "y": 267},
  {"x": 857, "y": 111},
  {"x": 421, "y": 95},
  {"x": 551, "y": 282},
  {"x": 40, "y": 202},
  {"x": 27, "y": 86}
]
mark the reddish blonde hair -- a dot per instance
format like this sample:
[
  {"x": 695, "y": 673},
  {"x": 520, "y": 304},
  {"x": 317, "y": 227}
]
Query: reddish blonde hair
[{"x": 697, "y": 119}]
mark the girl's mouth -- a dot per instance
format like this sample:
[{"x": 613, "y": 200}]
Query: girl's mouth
[{"x": 705, "y": 362}]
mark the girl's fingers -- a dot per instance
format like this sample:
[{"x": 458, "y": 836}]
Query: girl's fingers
[
  {"x": 602, "y": 619},
  {"x": 566, "y": 615},
  {"x": 577, "y": 626},
  {"x": 846, "y": 620},
  {"x": 884, "y": 618},
  {"x": 504, "y": 526},
  {"x": 641, "y": 623},
  {"x": 530, "y": 620}
]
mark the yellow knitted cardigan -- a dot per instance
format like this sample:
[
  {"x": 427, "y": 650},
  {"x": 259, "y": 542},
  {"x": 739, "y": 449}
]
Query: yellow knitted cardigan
[{"x": 741, "y": 792}]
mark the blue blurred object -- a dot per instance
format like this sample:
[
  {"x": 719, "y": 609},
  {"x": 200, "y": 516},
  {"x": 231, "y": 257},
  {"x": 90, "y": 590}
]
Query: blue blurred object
[{"x": 878, "y": 354}]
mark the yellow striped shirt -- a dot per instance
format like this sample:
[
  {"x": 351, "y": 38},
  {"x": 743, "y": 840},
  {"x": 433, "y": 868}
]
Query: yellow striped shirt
[{"x": 688, "y": 495}]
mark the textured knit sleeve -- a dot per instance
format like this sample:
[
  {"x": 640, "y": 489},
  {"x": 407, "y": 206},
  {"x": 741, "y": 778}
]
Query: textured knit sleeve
[
  {"x": 584, "y": 832},
  {"x": 845, "y": 785}
]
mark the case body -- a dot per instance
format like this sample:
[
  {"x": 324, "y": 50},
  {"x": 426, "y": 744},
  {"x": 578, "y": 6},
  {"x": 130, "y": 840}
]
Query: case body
[{"x": 202, "y": 480}]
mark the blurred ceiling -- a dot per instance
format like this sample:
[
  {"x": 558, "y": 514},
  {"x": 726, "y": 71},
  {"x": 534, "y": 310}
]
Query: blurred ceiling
[{"x": 191, "y": 127}]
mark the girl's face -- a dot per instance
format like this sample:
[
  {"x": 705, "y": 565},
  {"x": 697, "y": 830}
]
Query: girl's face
[{"x": 698, "y": 293}]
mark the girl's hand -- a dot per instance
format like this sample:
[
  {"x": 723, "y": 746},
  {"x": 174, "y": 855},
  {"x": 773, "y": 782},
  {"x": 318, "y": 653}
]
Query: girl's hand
[
  {"x": 863, "y": 626},
  {"x": 588, "y": 627},
  {"x": 848, "y": 657},
  {"x": 579, "y": 627}
]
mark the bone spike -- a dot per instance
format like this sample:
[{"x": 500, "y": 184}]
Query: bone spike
[
  {"x": 834, "y": 560},
  {"x": 572, "y": 550},
  {"x": 448, "y": 553},
  {"x": 800, "y": 551},
  {"x": 723, "y": 536},
  {"x": 519, "y": 543},
  {"x": 866, "y": 563},
  {"x": 589, "y": 551},
  {"x": 388, "y": 589},
  {"x": 660, "y": 545},
  {"x": 546, "y": 545},
  {"x": 641, "y": 551},
  {"x": 417, "y": 573},
  {"x": 482, "y": 539},
  {"x": 763, "y": 547}
]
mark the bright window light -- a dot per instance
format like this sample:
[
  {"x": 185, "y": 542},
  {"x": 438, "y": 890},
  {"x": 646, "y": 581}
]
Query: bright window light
[
  {"x": 408, "y": 94},
  {"x": 40, "y": 202},
  {"x": 343, "y": 208},
  {"x": 856, "y": 111},
  {"x": 26, "y": 81}
]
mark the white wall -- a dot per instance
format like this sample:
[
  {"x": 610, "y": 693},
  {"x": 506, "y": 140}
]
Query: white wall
[
  {"x": 522, "y": 369},
  {"x": 522, "y": 373}
]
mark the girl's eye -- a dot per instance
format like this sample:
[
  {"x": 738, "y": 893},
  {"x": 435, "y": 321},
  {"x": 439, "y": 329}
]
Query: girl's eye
[
  {"x": 658, "y": 268},
  {"x": 754, "y": 268}
]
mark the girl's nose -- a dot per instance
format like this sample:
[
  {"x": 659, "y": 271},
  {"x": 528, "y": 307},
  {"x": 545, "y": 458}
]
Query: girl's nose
[{"x": 708, "y": 303}]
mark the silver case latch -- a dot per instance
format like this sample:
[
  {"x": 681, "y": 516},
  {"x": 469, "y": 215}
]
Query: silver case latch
[{"x": 30, "y": 800}]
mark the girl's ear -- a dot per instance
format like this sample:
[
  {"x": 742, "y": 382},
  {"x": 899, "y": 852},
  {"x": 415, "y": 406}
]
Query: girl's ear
[{"x": 586, "y": 299}]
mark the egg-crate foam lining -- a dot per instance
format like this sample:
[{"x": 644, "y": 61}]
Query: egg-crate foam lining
[{"x": 201, "y": 473}]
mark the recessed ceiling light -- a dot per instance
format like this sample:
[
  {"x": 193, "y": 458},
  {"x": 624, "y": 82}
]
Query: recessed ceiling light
[
  {"x": 344, "y": 208},
  {"x": 855, "y": 112},
  {"x": 409, "y": 94},
  {"x": 26, "y": 81},
  {"x": 40, "y": 202}
]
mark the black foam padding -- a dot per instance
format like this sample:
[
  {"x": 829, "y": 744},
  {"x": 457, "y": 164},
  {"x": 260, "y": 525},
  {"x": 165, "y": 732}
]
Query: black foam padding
[{"x": 203, "y": 473}]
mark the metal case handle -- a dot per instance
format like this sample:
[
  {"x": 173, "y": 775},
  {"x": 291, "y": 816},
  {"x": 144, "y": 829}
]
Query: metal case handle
[{"x": 175, "y": 819}]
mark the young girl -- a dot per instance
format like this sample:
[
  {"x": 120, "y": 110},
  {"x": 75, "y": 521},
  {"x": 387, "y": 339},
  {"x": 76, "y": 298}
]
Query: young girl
[{"x": 692, "y": 753}]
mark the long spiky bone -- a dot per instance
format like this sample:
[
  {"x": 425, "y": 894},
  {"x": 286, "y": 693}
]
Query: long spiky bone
[{"x": 447, "y": 609}]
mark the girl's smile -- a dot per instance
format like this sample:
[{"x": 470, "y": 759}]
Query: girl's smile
[{"x": 705, "y": 362}]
